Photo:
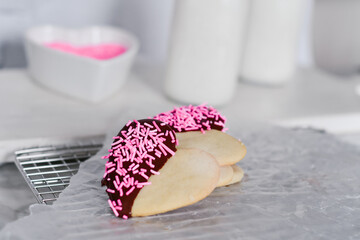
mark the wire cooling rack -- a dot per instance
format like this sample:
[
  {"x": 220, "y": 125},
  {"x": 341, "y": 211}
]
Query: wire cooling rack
[{"x": 48, "y": 169}]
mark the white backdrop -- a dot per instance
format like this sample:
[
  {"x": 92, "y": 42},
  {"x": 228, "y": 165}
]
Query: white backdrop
[{"x": 149, "y": 20}]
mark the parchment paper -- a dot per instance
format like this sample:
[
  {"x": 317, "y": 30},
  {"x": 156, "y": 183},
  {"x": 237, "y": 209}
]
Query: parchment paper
[{"x": 299, "y": 184}]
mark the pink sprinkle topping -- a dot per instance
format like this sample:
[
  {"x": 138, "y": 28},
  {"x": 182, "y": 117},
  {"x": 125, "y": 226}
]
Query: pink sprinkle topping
[
  {"x": 139, "y": 151},
  {"x": 130, "y": 191},
  {"x": 99, "y": 52},
  {"x": 193, "y": 118},
  {"x": 110, "y": 190},
  {"x": 113, "y": 208},
  {"x": 154, "y": 172}
]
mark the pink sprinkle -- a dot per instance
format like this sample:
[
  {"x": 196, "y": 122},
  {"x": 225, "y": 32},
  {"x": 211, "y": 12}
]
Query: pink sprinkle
[
  {"x": 131, "y": 166},
  {"x": 126, "y": 183},
  {"x": 124, "y": 133},
  {"x": 158, "y": 154},
  {"x": 144, "y": 175},
  {"x": 167, "y": 149},
  {"x": 193, "y": 118},
  {"x": 136, "y": 166},
  {"x": 150, "y": 164},
  {"x": 148, "y": 125},
  {"x": 119, "y": 172},
  {"x": 154, "y": 172},
  {"x": 116, "y": 143},
  {"x": 132, "y": 157},
  {"x": 109, "y": 164},
  {"x": 162, "y": 149},
  {"x": 191, "y": 128},
  {"x": 219, "y": 124},
  {"x": 130, "y": 191},
  {"x": 172, "y": 136},
  {"x": 138, "y": 160},
  {"x": 110, "y": 190},
  {"x": 119, "y": 164},
  {"x": 112, "y": 207},
  {"x": 124, "y": 216},
  {"x": 143, "y": 184},
  {"x": 115, "y": 184},
  {"x": 157, "y": 127}
]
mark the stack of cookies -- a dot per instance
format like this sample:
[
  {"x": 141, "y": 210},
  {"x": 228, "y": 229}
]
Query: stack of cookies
[{"x": 170, "y": 160}]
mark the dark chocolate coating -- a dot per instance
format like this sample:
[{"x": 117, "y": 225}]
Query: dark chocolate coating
[{"x": 159, "y": 162}]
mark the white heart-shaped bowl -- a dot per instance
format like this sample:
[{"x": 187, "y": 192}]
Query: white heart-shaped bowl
[{"x": 77, "y": 76}]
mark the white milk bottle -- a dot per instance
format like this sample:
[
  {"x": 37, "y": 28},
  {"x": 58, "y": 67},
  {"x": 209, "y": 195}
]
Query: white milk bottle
[
  {"x": 204, "y": 50},
  {"x": 271, "y": 40}
]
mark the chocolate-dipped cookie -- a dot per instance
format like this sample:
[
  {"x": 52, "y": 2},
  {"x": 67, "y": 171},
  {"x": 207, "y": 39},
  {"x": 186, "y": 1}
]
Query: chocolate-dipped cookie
[
  {"x": 203, "y": 127},
  {"x": 146, "y": 174}
]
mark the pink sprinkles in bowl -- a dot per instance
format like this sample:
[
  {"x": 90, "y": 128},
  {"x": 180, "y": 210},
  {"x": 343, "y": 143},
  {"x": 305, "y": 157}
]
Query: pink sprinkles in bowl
[
  {"x": 139, "y": 150},
  {"x": 193, "y": 118}
]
